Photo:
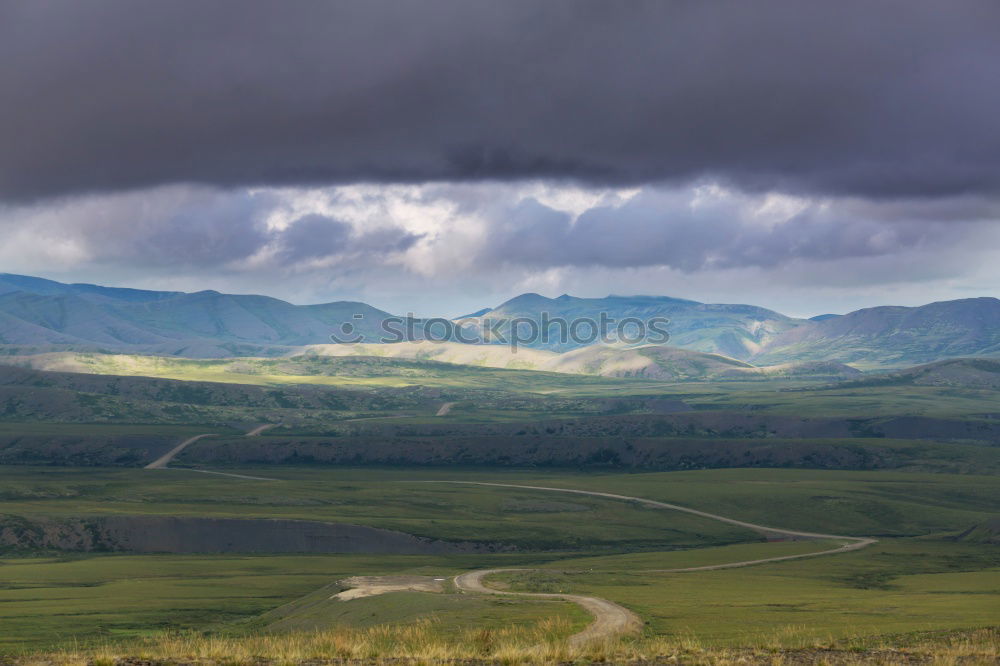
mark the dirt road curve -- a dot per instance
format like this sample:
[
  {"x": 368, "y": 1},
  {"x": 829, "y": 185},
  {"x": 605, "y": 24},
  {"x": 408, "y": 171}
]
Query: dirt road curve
[
  {"x": 445, "y": 409},
  {"x": 164, "y": 460},
  {"x": 609, "y": 618},
  {"x": 763, "y": 529}
]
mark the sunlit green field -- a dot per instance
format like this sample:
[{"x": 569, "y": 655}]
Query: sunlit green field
[
  {"x": 841, "y": 502},
  {"x": 346, "y": 372},
  {"x": 52, "y": 601},
  {"x": 933, "y": 569},
  {"x": 896, "y": 586},
  {"x": 773, "y": 395},
  {"x": 386, "y": 498},
  {"x": 604, "y": 547}
]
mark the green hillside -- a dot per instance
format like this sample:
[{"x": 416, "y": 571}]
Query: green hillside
[
  {"x": 893, "y": 336},
  {"x": 41, "y": 316},
  {"x": 731, "y": 330}
]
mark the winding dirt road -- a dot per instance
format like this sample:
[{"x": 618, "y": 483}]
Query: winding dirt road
[
  {"x": 164, "y": 460},
  {"x": 762, "y": 529},
  {"x": 610, "y": 618}
]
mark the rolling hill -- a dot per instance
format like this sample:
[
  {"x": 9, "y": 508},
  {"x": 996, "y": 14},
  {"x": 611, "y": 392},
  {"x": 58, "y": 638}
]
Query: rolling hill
[
  {"x": 43, "y": 315},
  {"x": 413, "y": 360},
  {"x": 737, "y": 331},
  {"x": 28, "y": 395},
  {"x": 649, "y": 362},
  {"x": 893, "y": 336},
  {"x": 969, "y": 373},
  {"x": 38, "y": 316},
  {"x": 886, "y": 336}
]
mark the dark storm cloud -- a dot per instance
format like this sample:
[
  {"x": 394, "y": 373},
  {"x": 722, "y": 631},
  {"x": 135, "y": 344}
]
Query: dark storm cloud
[
  {"x": 316, "y": 236},
  {"x": 717, "y": 232},
  {"x": 870, "y": 97},
  {"x": 181, "y": 227},
  {"x": 194, "y": 228}
]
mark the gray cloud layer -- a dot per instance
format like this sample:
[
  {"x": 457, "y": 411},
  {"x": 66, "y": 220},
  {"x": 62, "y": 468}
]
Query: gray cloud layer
[
  {"x": 195, "y": 230},
  {"x": 340, "y": 231},
  {"x": 459, "y": 247},
  {"x": 669, "y": 228},
  {"x": 877, "y": 98}
]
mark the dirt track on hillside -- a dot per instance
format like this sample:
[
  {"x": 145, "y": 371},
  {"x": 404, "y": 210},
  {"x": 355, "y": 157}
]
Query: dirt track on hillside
[
  {"x": 164, "y": 460},
  {"x": 610, "y": 618}
]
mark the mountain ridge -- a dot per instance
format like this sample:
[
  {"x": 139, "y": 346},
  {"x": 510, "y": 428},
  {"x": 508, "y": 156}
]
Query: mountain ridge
[
  {"x": 39, "y": 315},
  {"x": 735, "y": 330},
  {"x": 203, "y": 324},
  {"x": 895, "y": 335}
]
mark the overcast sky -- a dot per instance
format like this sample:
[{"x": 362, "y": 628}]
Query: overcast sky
[{"x": 439, "y": 157}]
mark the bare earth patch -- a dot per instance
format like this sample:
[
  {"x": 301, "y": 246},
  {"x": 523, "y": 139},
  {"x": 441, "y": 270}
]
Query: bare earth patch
[{"x": 370, "y": 586}]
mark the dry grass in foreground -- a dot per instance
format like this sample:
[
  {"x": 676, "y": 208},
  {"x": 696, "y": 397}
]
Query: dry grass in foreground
[{"x": 427, "y": 643}]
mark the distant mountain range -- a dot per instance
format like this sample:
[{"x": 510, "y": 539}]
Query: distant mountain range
[
  {"x": 888, "y": 336},
  {"x": 206, "y": 324},
  {"x": 38, "y": 315},
  {"x": 894, "y": 335},
  {"x": 739, "y": 331}
]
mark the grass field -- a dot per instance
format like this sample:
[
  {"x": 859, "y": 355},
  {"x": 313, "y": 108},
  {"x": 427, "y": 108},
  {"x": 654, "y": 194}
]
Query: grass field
[
  {"x": 840, "y": 502},
  {"x": 895, "y": 586},
  {"x": 425, "y": 642},
  {"x": 874, "y": 503},
  {"x": 589, "y": 545},
  {"x": 393, "y": 499},
  {"x": 97, "y": 430},
  {"x": 337, "y": 371},
  {"x": 53, "y": 601},
  {"x": 859, "y": 402},
  {"x": 809, "y": 396},
  {"x": 920, "y": 580}
]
